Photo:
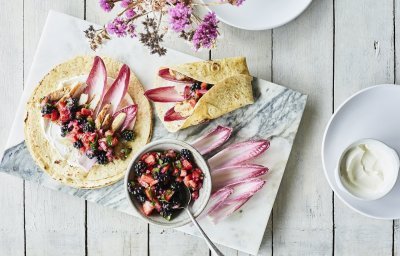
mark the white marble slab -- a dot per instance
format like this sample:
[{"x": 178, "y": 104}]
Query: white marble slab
[{"x": 275, "y": 116}]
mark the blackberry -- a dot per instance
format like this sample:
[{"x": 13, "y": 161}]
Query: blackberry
[
  {"x": 209, "y": 86},
  {"x": 65, "y": 129},
  {"x": 102, "y": 157},
  {"x": 195, "y": 86},
  {"x": 128, "y": 135},
  {"x": 47, "y": 109},
  {"x": 185, "y": 153},
  {"x": 78, "y": 144},
  {"x": 138, "y": 192},
  {"x": 72, "y": 104},
  {"x": 139, "y": 168},
  {"x": 88, "y": 127},
  {"x": 162, "y": 178},
  {"x": 81, "y": 120}
]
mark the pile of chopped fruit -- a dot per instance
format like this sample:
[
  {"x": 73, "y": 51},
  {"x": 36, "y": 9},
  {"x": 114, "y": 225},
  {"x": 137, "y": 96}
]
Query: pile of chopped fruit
[
  {"x": 159, "y": 180},
  {"x": 77, "y": 123}
]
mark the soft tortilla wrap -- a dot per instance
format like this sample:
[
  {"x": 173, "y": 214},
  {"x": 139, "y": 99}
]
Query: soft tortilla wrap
[
  {"x": 232, "y": 90},
  {"x": 50, "y": 160}
]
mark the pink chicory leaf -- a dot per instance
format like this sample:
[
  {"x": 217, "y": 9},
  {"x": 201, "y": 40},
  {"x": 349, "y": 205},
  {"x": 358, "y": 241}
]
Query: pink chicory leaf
[
  {"x": 118, "y": 89},
  {"x": 130, "y": 118},
  {"x": 96, "y": 81},
  {"x": 238, "y": 153},
  {"x": 164, "y": 73},
  {"x": 212, "y": 140},
  {"x": 172, "y": 115},
  {"x": 164, "y": 94}
]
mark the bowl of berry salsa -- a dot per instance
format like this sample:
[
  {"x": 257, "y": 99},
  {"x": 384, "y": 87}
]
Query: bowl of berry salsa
[{"x": 159, "y": 178}]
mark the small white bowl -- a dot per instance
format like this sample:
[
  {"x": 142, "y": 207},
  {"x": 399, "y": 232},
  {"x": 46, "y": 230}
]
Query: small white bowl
[
  {"x": 196, "y": 207},
  {"x": 383, "y": 192}
]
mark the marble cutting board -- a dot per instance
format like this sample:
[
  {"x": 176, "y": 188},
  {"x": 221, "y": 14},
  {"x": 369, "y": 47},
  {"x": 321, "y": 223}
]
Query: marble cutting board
[{"x": 275, "y": 115}]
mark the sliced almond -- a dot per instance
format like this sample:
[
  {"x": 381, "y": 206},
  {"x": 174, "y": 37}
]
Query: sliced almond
[
  {"x": 100, "y": 117},
  {"x": 118, "y": 121},
  {"x": 83, "y": 99},
  {"x": 56, "y": 95},
  {"x": 106, "y": 123}
]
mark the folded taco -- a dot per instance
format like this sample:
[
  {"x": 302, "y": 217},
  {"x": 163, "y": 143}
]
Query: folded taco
[
  {"x": 85, "y": 121},
  {"x": 193, "y": 93}
]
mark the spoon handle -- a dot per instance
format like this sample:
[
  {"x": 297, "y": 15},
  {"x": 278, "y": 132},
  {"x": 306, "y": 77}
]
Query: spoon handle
[{"x": 210, "y": 244}]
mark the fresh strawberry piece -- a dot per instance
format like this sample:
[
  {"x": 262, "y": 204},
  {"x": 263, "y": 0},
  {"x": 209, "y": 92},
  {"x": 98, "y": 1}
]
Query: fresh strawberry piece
[
  {"x": 195, "y": 195},
  {"x": 165, "y": 168},
  {"x": 47, "y": 116},
  {"x": 147, "y": 179},
  {"x": 54, "y": 115},
  {"x": 150, "y": 160},
  {"x": 203, "y": 86},
  {"x": 186, "y": 165},
  {"x": 187, "y": 179},
  {"x": 149, "y": 193},
  {"x": 144, "y": 156},
  {"x": 148, "y": 208},
  {"x": 192, "y": 184},
  {"x": 175, "y": 172},
  {"x": 183, "y": 173},
  {"x": 168, "y": 194},
  {"x": 178, "y": 179},
  {"x": 86, "y": 112}
]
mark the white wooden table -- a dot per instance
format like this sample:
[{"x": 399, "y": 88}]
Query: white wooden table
[{"x": 333, "y": 49}]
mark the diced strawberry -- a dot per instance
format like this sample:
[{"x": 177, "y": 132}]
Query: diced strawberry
[
  {"x": 196, "y": 174},
  {"x": 147, "y": 179},
  {"x": 165, "y": 169},
  {"x": 179, "y": 179},
  {"x": 149, "y": 194},
  {"x": 192, "y": 184},
  {"x": 186, "y": 165},
  {"x": 54, "y": 115},
  {"x": 144, "y": 156},
  {"x": 47, "y": 116},
  {"x": 175, "y": 172},
  {"x": 168, "y": 194},
  {"x": 86, "y": 112},
  {"x": 195, "y": 195},
  {"x": 150, "y": 160},
  {"x": 203, "y": 86},
  {"x": 157, "y": 205},
  {"x": 147, "y": 207},
  {"x": 183, "y": 173},
  {"x": 187, "y": 179}
]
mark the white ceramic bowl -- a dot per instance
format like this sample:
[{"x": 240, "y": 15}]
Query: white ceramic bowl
[
  {"x": 196, "y": 207},
  {"x": 395, "y": 170}
]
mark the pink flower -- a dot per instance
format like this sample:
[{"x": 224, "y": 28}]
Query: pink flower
[
  {"x": 106, "y": 5},
  {"x": 125, "y": 3},
  {"x": 132, "y": 30},
  {"x": 207, "y": 32},
  {"x": 179, "y": 17},
  {"x": 130, "y": 13},
  {"x": 118, "y": 27}
]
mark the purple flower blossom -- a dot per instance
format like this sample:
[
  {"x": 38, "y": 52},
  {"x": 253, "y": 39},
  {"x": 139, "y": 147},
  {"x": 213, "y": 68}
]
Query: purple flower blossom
[
  {"x": 207, "y": 32},
  {"x": 239, "y": 2},
  {"x": 179, "y": 17},
  {"x": 125, "y": 3},
  {"x": 118, "y": 27},
  {"x": 130, "y": 13},
  {"x": 106, "y": 5},
  {"x": 132, "y": 30}
]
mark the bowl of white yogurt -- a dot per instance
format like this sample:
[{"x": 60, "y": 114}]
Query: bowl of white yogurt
[{"x": 367, "y": 169}]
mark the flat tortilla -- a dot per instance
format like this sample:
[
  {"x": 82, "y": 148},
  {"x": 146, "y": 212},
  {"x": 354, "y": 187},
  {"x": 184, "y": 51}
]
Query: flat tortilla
[
  {"x": 232, "y": 90},
  {"x": 49, "y": 159}
]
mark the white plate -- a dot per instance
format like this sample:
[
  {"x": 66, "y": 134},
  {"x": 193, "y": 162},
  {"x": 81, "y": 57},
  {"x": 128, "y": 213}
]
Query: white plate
[
  {"x": 370, "y": 113},
  {"x": 259, "y": 14}
]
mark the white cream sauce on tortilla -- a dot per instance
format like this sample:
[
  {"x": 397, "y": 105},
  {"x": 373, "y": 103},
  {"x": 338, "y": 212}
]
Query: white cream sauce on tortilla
[{"x": 63, "y": 145}]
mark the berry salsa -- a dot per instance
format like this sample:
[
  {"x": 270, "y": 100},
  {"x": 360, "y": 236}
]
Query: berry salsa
[
  {"x": 77, "y": 123},
  {"x": 159, "y": 180}
]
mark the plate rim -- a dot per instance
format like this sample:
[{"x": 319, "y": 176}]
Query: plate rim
[
  {"x": 260, "y": 28},
  {"x": 323, "y": 146}
]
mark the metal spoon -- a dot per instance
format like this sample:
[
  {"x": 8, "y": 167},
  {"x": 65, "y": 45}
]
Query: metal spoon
[{"x": 210, "y": 244}]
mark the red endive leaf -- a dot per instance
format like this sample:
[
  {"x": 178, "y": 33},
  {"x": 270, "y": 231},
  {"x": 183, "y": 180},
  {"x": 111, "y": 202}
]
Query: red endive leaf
[
  {"x": 164, "y": 73},
  {"x": 171, "y": 115},
  {"x": 238, "y": 153},
  {"x": 96, "y": 81},
  {"x": 130, "y": 118},
  {"x": 234, "y": 174},
  {"x": 216, "y": 199},
  {"x": 212, "y": 140},
  {"x": 242, "y": 192},
  {"x": 118, "y": 89},
  {"x": 164, "y": 94}
]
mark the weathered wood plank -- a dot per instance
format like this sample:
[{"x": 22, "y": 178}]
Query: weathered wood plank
[
  {"x": 302, "y": 60},
  {"x": 55, "y": 222},
  {"x": 11, "y": 84},
  {"x": 256, "y": 47},
  {"x": 110, "y": 232},
  {"x": 364, "y": 55}
]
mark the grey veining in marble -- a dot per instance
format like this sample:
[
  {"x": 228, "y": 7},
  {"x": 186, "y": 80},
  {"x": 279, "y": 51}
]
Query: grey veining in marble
[{"x": 275, "y": 115}]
